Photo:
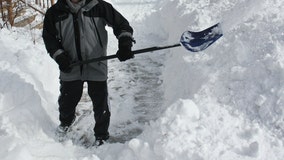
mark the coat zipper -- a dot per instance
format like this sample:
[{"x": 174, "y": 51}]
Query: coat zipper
[
  {"x": 99, "y": 37},
  {"x": 77, "y": 38}
]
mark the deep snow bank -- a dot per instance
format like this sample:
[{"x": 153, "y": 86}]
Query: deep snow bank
[
  {"x": 243, "y": 70},
  {"x": 25, "y": 103},
  {"x": 236, "y": 83},
  {"x": 184, "y": 132}
]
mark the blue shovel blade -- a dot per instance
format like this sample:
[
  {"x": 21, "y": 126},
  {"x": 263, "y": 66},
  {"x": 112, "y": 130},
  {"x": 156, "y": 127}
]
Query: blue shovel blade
[{"x": 199, "y": 41}]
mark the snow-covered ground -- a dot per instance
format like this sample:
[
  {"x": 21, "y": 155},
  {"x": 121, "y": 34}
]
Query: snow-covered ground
[{"x": 224, "y": 103}]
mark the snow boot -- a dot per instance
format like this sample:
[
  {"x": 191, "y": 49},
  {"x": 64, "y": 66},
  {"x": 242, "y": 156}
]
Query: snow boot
[
  {"x": 63, "y": 128},
  {"x": 101, "y": 140}
]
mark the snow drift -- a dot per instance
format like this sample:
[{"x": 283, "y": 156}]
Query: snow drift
[{"x": 223, "y": 103}]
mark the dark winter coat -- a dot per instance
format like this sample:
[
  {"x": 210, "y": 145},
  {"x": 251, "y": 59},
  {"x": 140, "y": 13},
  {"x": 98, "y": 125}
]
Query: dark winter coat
[{"x": 83, "y": 36}]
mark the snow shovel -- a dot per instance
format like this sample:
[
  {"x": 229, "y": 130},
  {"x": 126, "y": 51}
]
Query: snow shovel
[{"x": 192, "y": 41}]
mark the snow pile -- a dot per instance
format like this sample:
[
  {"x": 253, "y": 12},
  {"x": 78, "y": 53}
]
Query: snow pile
[
  {"x": 223, "y": 103},
  {"x": 244, "y": 70},
  {"x": 236, "y": 83},
  {"x": 26, "y": 101}
]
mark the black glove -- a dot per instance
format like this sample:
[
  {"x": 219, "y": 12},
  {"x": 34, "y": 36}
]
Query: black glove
[
  {"x": 64, "y": 63},
  {"x": 124, "y": 48}
]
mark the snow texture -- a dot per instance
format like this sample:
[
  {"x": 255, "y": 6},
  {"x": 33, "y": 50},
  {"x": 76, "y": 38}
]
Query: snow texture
[{"x": 224, "y": 103}]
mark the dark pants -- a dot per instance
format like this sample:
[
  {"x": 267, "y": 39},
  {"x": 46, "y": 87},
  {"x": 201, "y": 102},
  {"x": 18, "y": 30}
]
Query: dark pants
[{"x": 70, "y": 95}]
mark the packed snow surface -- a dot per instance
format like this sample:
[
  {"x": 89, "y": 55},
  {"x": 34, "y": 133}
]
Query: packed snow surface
[{"x": 224, "y": 103}]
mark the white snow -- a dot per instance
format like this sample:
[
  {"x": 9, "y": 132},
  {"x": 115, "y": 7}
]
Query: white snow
[{"x": 224, "y": 103}]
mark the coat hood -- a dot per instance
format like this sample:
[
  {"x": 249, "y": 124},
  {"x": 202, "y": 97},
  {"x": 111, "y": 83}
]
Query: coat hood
[{"x": 62, "y": 5}]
